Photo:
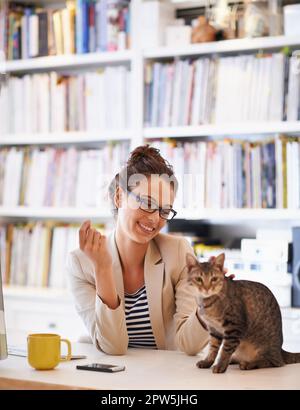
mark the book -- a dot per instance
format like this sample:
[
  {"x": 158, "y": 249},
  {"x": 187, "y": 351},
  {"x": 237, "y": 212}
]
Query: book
[
  {"x": 42, "y": 33},
  {"x": 33, "y": 35},
  {"x": 58, "y": 32}
]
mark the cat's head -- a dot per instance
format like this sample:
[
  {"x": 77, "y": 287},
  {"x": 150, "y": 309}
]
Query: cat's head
[{"x": 208, "y": 277}]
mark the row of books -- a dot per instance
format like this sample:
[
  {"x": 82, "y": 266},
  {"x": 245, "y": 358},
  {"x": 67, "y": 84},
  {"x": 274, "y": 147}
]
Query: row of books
[
  {"x": 34, "y": 254},
  {"x": 220, "y": 90},
  {"x": 52, "y": 102},
  {"x": 59, "y": 177},
  {"x": 235, "y": 173},
  {"x": 82, "y": 26},
  {"x": 213, "y": 174}
]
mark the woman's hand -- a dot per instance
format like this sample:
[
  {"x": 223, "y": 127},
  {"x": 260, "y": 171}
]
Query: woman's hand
[
  {"x": 94, "y": 245},
  {"x": 225, "y": 270}
]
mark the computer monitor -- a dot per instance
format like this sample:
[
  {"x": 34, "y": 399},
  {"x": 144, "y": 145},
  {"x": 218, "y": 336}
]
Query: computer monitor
[{"x": 3, "y": 342}]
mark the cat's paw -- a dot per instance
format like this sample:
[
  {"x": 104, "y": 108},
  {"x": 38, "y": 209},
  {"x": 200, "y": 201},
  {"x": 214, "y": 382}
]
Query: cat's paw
[
  {"x": 204, "y": 364},
  {"x": 247, "y": 366},
  {"x": 220, "y": 368}
]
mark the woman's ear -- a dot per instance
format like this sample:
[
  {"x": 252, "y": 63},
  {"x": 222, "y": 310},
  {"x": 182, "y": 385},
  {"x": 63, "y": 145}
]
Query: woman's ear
[{"x": 118, "y": 197}]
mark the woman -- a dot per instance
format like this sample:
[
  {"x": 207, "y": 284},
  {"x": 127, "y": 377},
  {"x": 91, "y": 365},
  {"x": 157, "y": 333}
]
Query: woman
[{"x": 130, "y": 287}]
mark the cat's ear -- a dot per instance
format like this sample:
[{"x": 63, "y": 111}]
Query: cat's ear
[
  {"x": 219, "y": 261},
  {"x": 191, "y": 261}
]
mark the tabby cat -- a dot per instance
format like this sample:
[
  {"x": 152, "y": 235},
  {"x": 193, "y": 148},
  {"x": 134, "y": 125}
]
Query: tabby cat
[{"x": 243, "y": 319}]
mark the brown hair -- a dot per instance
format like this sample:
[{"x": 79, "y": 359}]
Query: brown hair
[{"x": 143, "y": 160}]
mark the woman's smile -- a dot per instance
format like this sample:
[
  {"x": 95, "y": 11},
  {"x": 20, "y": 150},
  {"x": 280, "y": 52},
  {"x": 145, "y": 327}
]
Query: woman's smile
[{"x": 145, "y": 228}]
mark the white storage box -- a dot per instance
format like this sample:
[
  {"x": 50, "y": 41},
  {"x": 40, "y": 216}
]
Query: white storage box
[
  {"x": 155, "y": 17},
  {"x": 177, "y": 36},
  {"x": 292, "y": 20}
]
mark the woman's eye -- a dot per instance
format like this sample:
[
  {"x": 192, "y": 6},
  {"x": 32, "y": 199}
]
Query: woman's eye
[{"x": 165, "y": 212}]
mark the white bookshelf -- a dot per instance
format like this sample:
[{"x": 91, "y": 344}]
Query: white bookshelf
[{"x": 136, "y": 57}]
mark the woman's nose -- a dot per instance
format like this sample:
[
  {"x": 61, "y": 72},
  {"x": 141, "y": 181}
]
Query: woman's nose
[{"x": 154, "y": 217}]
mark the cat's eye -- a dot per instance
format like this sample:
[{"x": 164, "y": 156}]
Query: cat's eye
[
  {"x": 214, "y": 280},
  {"x": 199, "y": 280}
]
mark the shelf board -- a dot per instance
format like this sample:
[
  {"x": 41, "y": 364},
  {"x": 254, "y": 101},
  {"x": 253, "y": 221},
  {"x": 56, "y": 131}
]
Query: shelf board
[
  {"x": 233, "y": 215},
  {"x": 224, "y": 46},
  {"x": 236, "y": 129},
  {"x": 34, "y": 293},
  {"x": 228, "y": 215},
  {"x": 66, "y": 213},
  {"x": 66, "y": 61},
  {"x": 65, "y": 137}
]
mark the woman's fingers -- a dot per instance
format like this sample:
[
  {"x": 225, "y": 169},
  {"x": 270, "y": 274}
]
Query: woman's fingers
[
  {"x": 90, "y": 238},
  {"x": 97, "y": 239},
  {"x": 83, "y": 233}
]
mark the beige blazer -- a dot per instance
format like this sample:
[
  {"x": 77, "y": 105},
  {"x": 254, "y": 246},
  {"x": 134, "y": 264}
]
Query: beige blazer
[{"x": 172, "y": 302}]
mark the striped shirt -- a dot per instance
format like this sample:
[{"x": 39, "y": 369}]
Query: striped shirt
[{"x": 138, "y": 323}]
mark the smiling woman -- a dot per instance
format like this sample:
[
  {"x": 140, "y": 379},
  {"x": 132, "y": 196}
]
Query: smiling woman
[{"x": 130, "y": 288}]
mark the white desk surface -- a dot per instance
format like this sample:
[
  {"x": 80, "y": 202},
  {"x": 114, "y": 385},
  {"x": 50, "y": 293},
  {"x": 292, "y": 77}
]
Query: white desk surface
[{"x": 145, "y": 369}]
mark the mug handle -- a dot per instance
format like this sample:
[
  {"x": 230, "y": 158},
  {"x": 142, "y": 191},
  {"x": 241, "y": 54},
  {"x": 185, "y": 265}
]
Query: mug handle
[{"x": 69, "y": 355}]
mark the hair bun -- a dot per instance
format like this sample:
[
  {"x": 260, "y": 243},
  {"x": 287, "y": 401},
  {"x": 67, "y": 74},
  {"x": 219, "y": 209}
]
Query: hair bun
[{"x": 142, "y": 152}]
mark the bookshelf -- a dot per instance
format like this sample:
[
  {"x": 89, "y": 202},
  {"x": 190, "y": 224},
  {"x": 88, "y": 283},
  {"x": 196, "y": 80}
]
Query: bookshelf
[{"x": 135, "y": 58}]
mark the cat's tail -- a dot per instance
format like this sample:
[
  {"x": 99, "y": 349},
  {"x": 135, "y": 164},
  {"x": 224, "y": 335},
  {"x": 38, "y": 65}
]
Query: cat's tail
[{"x": 290, "y": 358}]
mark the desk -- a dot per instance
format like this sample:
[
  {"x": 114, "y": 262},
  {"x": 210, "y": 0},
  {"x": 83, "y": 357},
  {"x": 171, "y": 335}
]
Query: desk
[{"x": 145, "y": 369}]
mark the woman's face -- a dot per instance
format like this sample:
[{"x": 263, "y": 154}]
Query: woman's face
[{"x": 141, "y": 226}]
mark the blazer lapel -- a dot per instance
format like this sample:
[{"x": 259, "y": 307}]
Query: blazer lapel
[{"x": 154, "y": 269}]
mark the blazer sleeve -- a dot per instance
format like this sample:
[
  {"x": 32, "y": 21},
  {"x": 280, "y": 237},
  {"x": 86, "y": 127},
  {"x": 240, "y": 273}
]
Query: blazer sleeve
[
  {"x": 190, "y": 336},
  {"x": 107, "y": 327}
]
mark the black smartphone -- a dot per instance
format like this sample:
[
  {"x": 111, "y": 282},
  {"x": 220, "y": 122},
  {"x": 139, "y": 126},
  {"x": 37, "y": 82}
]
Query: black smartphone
[{"x": 101, "y": 367}]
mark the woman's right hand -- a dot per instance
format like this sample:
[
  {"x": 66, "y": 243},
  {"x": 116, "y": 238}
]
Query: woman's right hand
[{"x": 94, "y": 245}]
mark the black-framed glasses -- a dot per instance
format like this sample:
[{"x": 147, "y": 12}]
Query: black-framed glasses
[{"x": 147, "y": 204}]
